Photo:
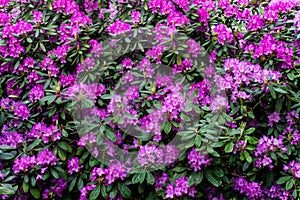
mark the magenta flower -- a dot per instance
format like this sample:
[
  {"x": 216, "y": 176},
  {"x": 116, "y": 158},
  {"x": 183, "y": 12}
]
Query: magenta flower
[
  {"x": 135, "y": 16},
  {"x": 36, "y": 93},
  {"x": 37, "y": 16},
  {"x": 21, "y": 111},
  {"x": 197, "y": 160},
  {"x": 223, "y": 34},
  {"x": 119, "y": 27},
  {"x": 73, "y": 165}
]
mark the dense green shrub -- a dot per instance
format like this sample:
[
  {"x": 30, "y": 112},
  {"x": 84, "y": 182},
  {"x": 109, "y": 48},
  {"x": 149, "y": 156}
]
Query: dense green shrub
[{"x": 71, "y": 99}]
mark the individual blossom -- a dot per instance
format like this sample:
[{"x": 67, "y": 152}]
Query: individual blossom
[
  {"x": 271, "y": 15},
  {"x": 36, "y": 93},
  {"x": 297, "y": 20},
  {"x": 126, "y": 64},
  {"x": 219, "y": 103},
  {"x": 84, "y": 192},
  {"x": 4, "y": 3},
  {"x": 155, "y": 53},
  {"x": 13, "y": 47},
  {"x": 161, "y": 180},
  {"x": 204, "y": 16},
  {"x": 11, "y": 139},
  {"x": 223, "y": 34},
  {"x": 231, "y": 10},
  {"x": 96, "y": 48},
  {"x": 73, "y": 165},
  {"x": 173, "y": 104},
  {"x": 162, "y": 6},
  {"x": 179, "y": 188},
  {"x": 269, "y": 144},
  {"x": 116, "y": 170},
  {"x": 96, "y": 173},
  {"x": 91, "y": 5},
  {"x": 264, "y": 161},
  {"x": 65, "y": 6},
  {"x": 197, "y": 160},
  {"x": 239, "y": 146},
  {"x": 194, "y": 48},
  {"x": 23, "y": 163},
  {"x": 51, "y": 133},
  {"x": 59, "y": 186},
  {"x": 119, "y": 27},
  {"x": 184, "y": 4},
  {"x": 37, "y": 16},
  {"x": 150, "y": 155},
  {"x": 294, "y": 168},
  {"x": 177, "y": 19},
  {"x": 135, "y": 16},
  {"x": 46, "y": 157},
  {"x": 273, "y": 118},
  {"x": 255, "y": 23},
  {"x": 21, "y": 111},
  {"x": 4, "y": 19},
  {"x": 61, "y": 52},
  {"x": 171, "y": 154},
  {"x": 252, "y": 190},
  {"x": 67, "y": 80}
]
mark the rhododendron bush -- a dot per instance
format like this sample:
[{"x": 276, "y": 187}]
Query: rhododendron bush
[{"x": 149, "y": 99}]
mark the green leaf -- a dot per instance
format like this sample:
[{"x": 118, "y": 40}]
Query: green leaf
[
  {"x": 195, "y": 178},
  {"x": 110, "y": 135},
  {"x": 124, "y": 190},
  {"x": 65, "y": 146},
  {"x": 249, "y": 131},
  {"x": 42, "y": 47},
  {"x": 6, "y": 156},
  {"x": 104, "y": 192},
  {"x": 72, "y": 184},
  {"x": 33, "y": 181},
  {"x": 283, "y": 179},
  {"x": 273, "y": 94},
  {"x": 289, "y": 184},
  {"x": 106, "y": 96},
  {"x": 247, "y": 156},
  {"x": 279, "y": 90},
  {"x": 95, "y": 193},
  {"x": 35, "y": 192},
  {"x": 25, "y": 187},
  {"x": 54, "y": 173},
  {"x": 129, "y": 115},
  {"x": 34, "y": 144},
  {"x": 61, "y": 154},
  {"x": 49, "y": 99},
  {"x": 138, "y": 178},
  {"x": 6, "y": 147},
  {"x": 212, "y": 178},
  {"x": 229, "y": 147},
  {"x": 150, "y": 178},
  {"x": 167, "y": 127},
  {"x": 5, "y": 190},
  {"x": 80, "y": 183}
]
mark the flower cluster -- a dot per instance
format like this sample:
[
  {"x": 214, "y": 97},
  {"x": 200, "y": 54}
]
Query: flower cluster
[
  {"x": 72, "y": 94},
  {"x": 116, "y": 170},
  {"x": 223, "y": 34},
  {"x": 253, "y": 190},
  {"x": 44, "y": 158},
  {"x": 197, "y": 160},
  {"x": 267, "y": 145},
  {"x": 180, "y": 188},
  {"x": 73, "y": 165}
]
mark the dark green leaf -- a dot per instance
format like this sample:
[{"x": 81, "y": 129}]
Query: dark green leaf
[
  {"x": 124, "y": 190},
  {"x": 95, "y": 193}
]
